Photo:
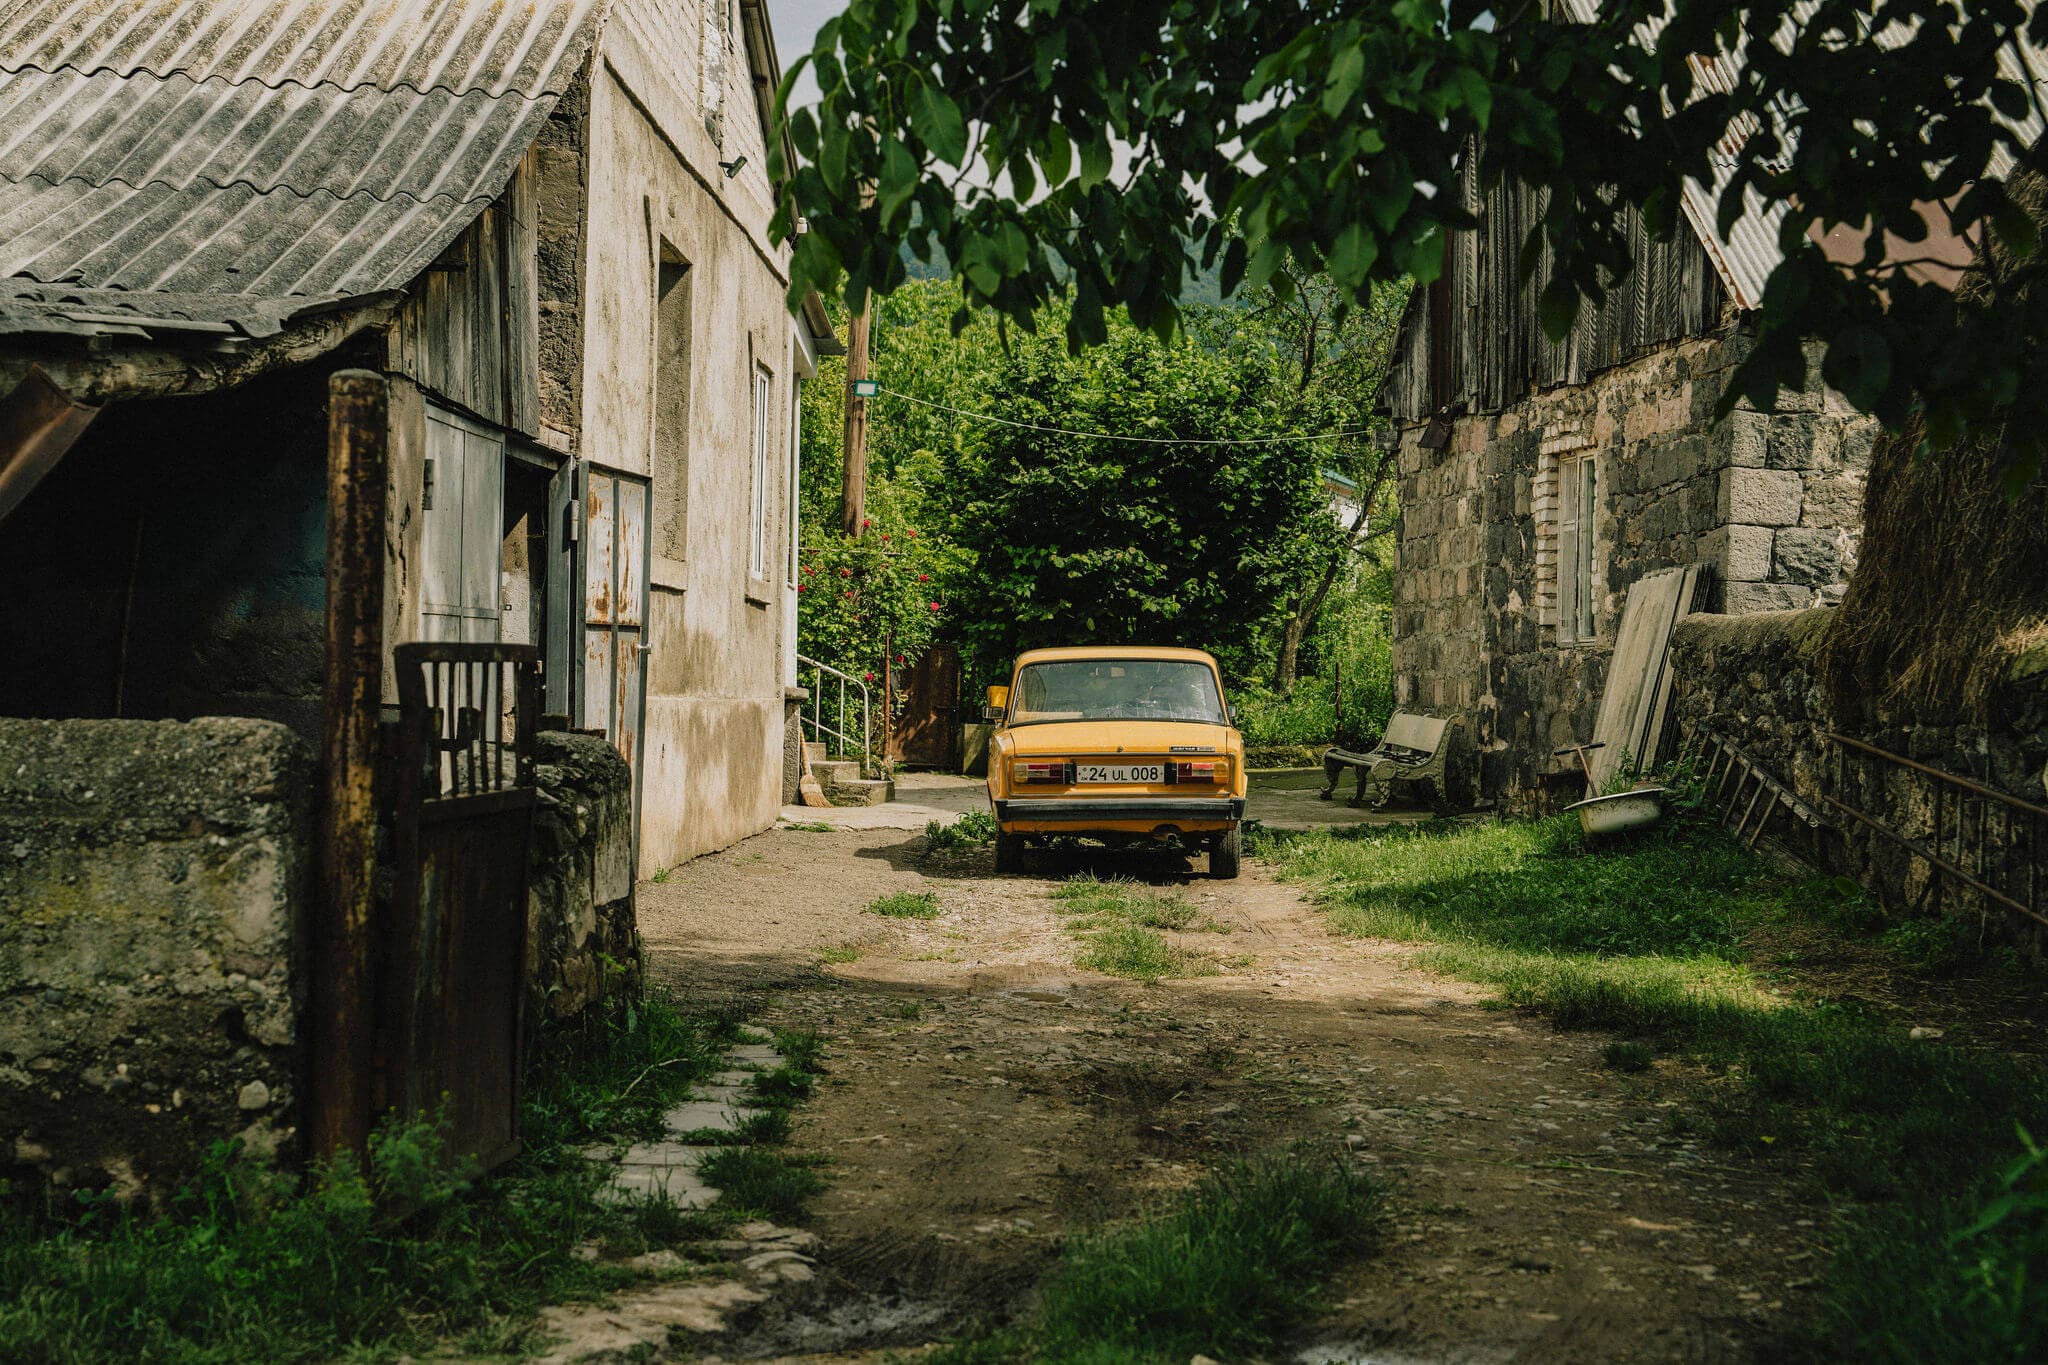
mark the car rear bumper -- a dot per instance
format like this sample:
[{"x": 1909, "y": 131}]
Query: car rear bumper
[{"x": 1098, "y": 810}]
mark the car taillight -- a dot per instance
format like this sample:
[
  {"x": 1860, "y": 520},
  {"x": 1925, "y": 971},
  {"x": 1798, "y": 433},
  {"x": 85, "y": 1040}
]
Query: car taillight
[
  {"x": 1214, "y": 770},
  {"x": 1057, "y": 771}
]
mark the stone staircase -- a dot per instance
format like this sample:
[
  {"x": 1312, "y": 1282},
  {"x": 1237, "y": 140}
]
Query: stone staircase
[{"x": 841, "y": 780}]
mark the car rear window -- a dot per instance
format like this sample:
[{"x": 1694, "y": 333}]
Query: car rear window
[{"x": 1117, "y": 689}]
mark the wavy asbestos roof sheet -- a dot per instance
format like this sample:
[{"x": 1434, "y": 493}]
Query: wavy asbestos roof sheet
[{"x": 265, "y": 148}]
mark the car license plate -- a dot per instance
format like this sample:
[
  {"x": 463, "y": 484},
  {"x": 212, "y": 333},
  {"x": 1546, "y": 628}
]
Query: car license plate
[{"x": 1119, "y": 772}]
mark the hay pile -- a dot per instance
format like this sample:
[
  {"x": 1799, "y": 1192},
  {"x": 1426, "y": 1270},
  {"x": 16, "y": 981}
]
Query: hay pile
[{"x": 1950, "y": 590}]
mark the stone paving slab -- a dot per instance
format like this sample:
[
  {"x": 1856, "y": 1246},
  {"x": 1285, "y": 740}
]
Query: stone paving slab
[
  {"x": 693, "y": 1115},
  {"x": 762, "y": 1055},
  {"x": 682, "y": 1186}
]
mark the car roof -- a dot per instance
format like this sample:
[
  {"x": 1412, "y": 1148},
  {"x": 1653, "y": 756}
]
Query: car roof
[{"x": 1039, "y": 656}]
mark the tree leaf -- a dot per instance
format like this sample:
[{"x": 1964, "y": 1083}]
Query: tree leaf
[{"x": 936, "y": 118}]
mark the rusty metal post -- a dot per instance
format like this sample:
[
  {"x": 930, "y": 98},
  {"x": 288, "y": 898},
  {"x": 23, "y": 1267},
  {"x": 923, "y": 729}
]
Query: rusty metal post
[{"x": 343, "y": 1038}]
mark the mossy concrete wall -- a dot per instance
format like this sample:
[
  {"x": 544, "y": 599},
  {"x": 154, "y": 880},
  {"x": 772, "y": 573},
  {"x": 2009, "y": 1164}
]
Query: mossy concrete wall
[{"x": 154, "y": 878}]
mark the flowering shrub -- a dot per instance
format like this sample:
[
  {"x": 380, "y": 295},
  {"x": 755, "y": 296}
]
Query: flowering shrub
[{"x": 881, "y": 594}]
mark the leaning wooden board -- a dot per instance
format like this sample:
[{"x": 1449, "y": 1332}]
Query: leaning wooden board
[{"x": 1638, "y": 695}]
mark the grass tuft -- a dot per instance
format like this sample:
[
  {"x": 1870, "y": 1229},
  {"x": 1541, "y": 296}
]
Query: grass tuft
[
  {"x": 1223, "y": 1271},
  {"x": 972, "y": 830},
  {"x": 906, "y": 905},
  {"x": 761, "y": 1182},
  {"x": 1118, "y": 923},
  {"x": 1628, "y": 1056}
]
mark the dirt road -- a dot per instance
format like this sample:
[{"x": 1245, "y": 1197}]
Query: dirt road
[{"x": 985, "y": 1096}]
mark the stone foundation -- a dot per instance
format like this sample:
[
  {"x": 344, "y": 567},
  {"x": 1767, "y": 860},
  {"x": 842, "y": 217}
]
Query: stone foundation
[
  {"x": 154, "y": 879},
  {"x": 582, "y": 940}
]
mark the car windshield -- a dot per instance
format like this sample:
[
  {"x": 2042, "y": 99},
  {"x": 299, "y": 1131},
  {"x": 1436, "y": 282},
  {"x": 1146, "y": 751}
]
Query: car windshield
[{"x": 1117, "y": 689}]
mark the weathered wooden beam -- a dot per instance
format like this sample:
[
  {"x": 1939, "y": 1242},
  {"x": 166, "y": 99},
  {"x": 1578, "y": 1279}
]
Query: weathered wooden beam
[{"x": 344, "y": 989}]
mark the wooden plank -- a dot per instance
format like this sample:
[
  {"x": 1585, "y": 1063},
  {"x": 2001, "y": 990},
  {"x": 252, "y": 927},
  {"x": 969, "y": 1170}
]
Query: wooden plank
[
  {"x": 1633, "y": 672},
  {"x": 522, "y": 303}
]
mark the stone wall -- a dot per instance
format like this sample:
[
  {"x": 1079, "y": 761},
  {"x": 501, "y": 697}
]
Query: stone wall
[
  {"x": 582, "y": 940},
  {"x": 153, "y": 882},
  {"x": 1769, "y": 502},
  {"x": 1752, "y": 679}
]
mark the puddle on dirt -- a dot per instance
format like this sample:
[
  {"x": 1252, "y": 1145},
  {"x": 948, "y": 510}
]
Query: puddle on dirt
[
  {"x": 1340, "y": 1353},
  {"x": 862, "y": 1322}
]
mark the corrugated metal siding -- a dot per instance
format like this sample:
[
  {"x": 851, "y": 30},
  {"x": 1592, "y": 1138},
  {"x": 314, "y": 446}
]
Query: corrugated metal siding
[
  {"x": 1498, "y": 343},
  {"x": 265, "y": 147}
]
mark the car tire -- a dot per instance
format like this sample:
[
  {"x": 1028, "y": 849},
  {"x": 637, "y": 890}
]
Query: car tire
[
  {"x": 1009, "y": 852},
  {"x": 1225, "y": 854}
]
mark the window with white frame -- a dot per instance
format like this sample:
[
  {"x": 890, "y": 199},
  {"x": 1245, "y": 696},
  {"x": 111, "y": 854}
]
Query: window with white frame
[
  {"x": 1578, "y": 486},
  {"x": 757, "y": 529}
]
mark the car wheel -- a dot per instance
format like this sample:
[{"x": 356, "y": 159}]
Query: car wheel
[
  {"x": 1009, "y": 852},
  {"x": 1225, "y": 853}
]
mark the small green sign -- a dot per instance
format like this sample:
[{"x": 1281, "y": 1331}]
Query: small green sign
[{"x": 866, "y": 388}]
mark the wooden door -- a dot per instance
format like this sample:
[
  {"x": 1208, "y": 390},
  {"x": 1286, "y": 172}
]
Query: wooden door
[{"x": 927, "y": 734}]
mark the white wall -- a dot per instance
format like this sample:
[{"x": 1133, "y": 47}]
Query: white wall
[{"x": 712, "y": 764}]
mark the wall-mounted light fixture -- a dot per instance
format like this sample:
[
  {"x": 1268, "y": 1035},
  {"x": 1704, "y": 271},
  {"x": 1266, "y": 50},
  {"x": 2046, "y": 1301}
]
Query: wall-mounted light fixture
[{"x": 732, "y": 167}]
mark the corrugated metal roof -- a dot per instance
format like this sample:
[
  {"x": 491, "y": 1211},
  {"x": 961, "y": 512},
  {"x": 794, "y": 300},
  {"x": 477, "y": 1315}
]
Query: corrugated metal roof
[
  {"x": 1750, "y": 250},
  {"x": 265, "y": 147}
]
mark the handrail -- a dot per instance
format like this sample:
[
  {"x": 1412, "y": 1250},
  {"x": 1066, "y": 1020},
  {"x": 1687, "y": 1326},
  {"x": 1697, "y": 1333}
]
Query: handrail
[{"x": 819, "y": 729}]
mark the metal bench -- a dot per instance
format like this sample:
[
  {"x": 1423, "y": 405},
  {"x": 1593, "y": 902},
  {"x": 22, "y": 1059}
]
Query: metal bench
[{"x": 1413, "y": 749}]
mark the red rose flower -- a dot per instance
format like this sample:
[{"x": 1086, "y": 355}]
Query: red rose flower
[
  {"x": 865, "y": 523},
  {"x": 885, "y": 537},
  {"x": 846, "y": 573},
  {"x": 924, "y": 578},
  {"x": 799, "y": 587},
  {"x": 868, "y": 677},
  {"x": 911, "y": 534},
  {"x": 935, "y": 606}
]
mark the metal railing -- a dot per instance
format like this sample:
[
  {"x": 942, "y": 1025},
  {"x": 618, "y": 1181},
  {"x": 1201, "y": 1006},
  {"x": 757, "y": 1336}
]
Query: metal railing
[
  {"x": 822, "y": 731},
  {"x": 1988, "y": 840}
]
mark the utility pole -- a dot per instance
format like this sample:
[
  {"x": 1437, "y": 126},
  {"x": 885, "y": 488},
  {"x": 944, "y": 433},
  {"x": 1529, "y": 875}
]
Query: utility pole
[{"x": 853, "y": 484}]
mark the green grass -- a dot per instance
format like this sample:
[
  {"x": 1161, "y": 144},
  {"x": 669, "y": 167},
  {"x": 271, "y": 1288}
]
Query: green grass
[
  {"x": 1647, "y": 939},
  {"x": 1224, "y": 1270},
  {"x": 1117, "y": 923},
  {"x": 808, "y": 827},
  {"x": 906, "y": 905},
  {"x": 411, "y": 1251},
  {"x": 972, "y": 830},
  {"x": 761, "y": 1182}
]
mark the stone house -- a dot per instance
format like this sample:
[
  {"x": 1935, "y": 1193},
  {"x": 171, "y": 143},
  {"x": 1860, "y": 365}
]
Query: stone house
[
  {"x": 545, "y": 224},
  {"x": 1540, "y": 479}
]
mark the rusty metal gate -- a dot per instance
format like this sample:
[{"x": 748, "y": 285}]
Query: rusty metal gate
[
  {"x": 927, "y": 734},
  {"x": 454, "y": 941}
]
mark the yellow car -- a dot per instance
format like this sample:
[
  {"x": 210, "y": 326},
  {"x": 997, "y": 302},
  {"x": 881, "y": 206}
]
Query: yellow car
[{"x": 1123, "y": 745}]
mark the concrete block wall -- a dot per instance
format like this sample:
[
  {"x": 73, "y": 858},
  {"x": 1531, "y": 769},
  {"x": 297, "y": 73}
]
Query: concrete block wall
[{"x": 154, "y": 878}]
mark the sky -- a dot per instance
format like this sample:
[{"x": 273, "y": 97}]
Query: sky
[{"x": 796, "y": 23}]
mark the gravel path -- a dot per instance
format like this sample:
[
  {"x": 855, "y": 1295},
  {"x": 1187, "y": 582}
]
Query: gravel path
[{"x": 985, "y": 1096}]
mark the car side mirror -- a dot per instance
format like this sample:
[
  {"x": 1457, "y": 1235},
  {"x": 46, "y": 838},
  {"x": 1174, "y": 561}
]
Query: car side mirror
[
  {"x": 998, "y": 705},
  {"x": 1231, "y": 711},
  {"x": 992, "y": 715}
]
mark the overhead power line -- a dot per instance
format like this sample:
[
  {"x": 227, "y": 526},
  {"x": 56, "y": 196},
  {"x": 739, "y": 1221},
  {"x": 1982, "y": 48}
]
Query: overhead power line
[{"x": 1337, "y": 435}]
